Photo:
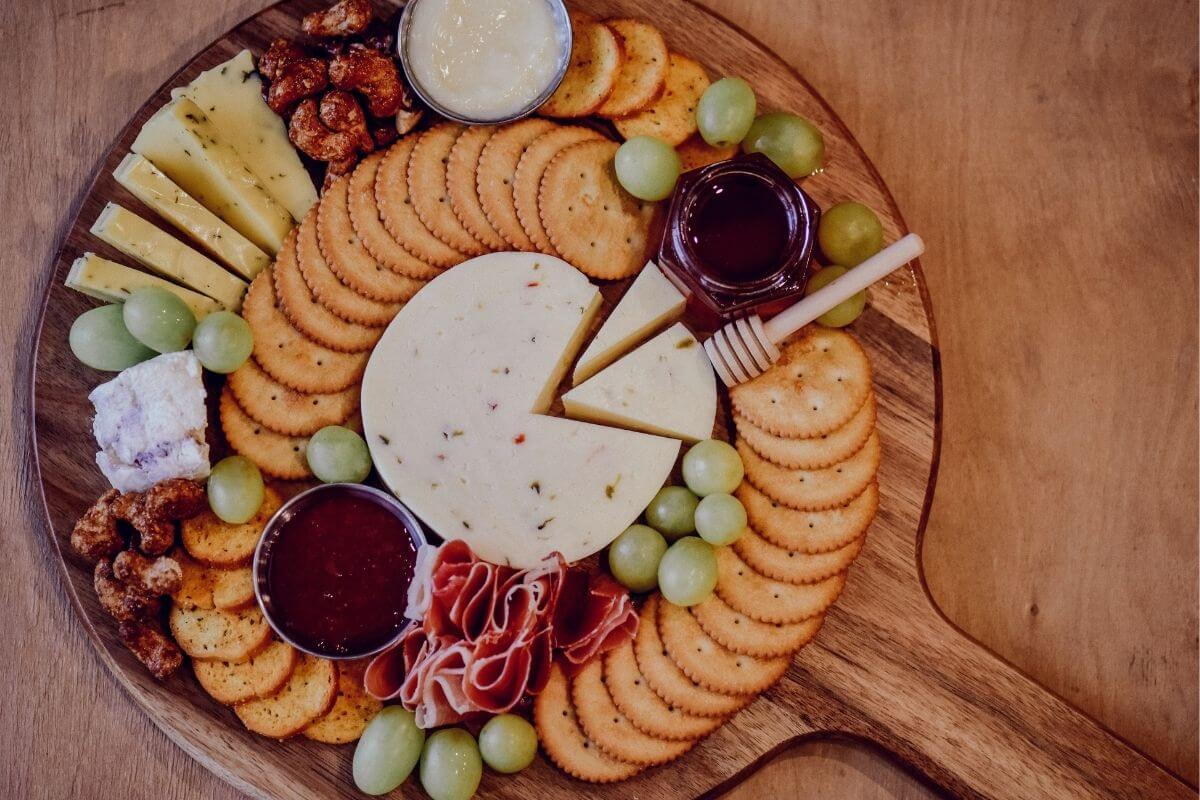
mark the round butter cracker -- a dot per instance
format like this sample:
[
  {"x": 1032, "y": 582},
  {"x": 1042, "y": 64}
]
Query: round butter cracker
[
  {"x": 276, "y": 455},
  {"x": 821, "y": 379},
  {"x": 742, "y": 634},
  {"x": 643, "y": 74},
  {"x": 398, "y": 214},
  {"x": 710, "y": 664},
  {"x": 427, "y": 187},
  {"x": 328, "y": 288},
  {"x": 364, "y": 215},
  {"x": 527, "y": 179},
  {"x": 816, "y": 452},
  {"x": 564, "y": 741},
  {"x": 497, "y": 172},
  {"x": 667, "y": 680},
  {"x": 647, "y": 711},
  {"x": 285, "y": 410},
  {"x": 809, "y": 531},
  {"x": 605, "y": 725},
  {"x": 461, "y": 185},
  {"x": 349, "y": 258},
  {"x": 813, "y": 489},
  {"x": 793, "y": 566},
  {"x": 672, "y": 117},
  {"x": 592, "y": 222},
  {"x": 766, "y": 600}
]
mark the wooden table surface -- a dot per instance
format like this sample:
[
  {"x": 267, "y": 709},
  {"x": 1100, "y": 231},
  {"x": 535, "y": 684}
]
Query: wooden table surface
[{"x": 1046, "y": 152}]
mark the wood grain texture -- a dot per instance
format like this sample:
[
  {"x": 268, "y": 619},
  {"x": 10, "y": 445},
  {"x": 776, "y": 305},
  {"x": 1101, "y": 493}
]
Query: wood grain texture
[{"x": 1122, "y": 672}]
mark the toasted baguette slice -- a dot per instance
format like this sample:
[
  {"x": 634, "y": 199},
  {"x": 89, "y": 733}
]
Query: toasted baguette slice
[
  {"x": 211, "y": 587},
  {"x": 216, "y": 635},
  {"x": 221, "y": 544},
  {"x": 351, "y": 711},
  {"x": 261, "y": 675},
  {"x": 595, "y": 63},
  {"x": 309, "y": 693}
]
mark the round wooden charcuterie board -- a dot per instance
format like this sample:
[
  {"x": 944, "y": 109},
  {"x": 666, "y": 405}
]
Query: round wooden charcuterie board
[{"x": 887, "y": 668}]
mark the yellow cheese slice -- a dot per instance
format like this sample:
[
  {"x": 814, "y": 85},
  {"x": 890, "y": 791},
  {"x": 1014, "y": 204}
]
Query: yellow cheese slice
[
  {"x": 231, "y": 95},
  {"x": 183, "y": 142},
  {"x": 113, "y": 283},
  {"x": 650, "y": 304},
  {"x": 147, "y": 183},
  {"x": 666, "y": 387},
  {"x": 452, "y": 404},
  {"x": 162, "y": 253}
]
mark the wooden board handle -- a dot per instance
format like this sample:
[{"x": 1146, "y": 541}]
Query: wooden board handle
[{"x": 973, "y": 724}]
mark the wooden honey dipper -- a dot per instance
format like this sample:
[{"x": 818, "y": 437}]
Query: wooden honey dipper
[{"x": 746, "y": 347}]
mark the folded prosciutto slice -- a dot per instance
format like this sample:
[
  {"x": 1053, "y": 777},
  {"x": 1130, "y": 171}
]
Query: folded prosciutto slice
[{"x": 486, "y": 635}]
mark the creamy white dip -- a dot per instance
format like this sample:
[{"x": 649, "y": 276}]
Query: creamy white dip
[{"x": 483, "y": 59}]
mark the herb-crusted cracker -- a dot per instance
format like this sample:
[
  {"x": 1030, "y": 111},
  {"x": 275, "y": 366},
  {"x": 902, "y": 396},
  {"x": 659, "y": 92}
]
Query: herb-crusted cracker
[
  {"x": 595, "y": 64},
  {"x": 643, "y": 73},
  {"x": 214, "y": 542},
  {"x": 261, "y": 675},
  {"x": 310, "y": 691},
  {"x": 352, "y": 709},
  {"x": 672, "y": 117},
  {"x": 216, "y": 635}
]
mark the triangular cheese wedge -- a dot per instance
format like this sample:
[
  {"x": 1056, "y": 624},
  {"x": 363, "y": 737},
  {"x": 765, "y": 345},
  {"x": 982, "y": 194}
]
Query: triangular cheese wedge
[
  {"x": 666, "y": 387},
  {"x": 649, "y": 304}
]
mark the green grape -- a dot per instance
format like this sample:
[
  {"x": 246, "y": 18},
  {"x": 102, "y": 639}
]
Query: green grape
[
  {"x": 235, "y": 489},
  {"x": 387, "y": 751},
  {"x": 159, "y": 319},
  {"x": 222, "y": 341},
  {"x": 687, "y": 573},
  {"x": 508, "y": 743},
  {"x": 791, "y": 142},
  {"x": 672, "y": 512},
  {"x": 726, "y": 112},
  {"x": 338, "y": 455},
  {"x": 844, "y": 312},
  {"x": 850, "y": 233},
  {"x": 647, "y": 167},
  {"x": 712, "y": 467},
  {"x": 100, "y": 339},
  {"x": 720, "y": 519},
  {"x": 634, "y": 555},
  {"x": 450, "y": 765}
]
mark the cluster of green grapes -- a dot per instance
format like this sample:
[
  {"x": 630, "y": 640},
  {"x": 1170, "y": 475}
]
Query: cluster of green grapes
[
  {"x": 451, "y": 760},
  {"x": 686, "y": 570}
]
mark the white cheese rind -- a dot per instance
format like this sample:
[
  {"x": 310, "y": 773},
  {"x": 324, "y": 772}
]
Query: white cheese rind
[
  {"x": 231, "y": 94},
  {"x": 113, "y": 283},
  {"x": 449, "y": 404},
  {"x": 183, "y": 142},
  {"x": 650, "y": 303},
  {"x": 150, "y": 423},
  {"x": 147, "y": 183},
  {"x": 666, "y": 387},
  {"x": 160, "y": 252}
]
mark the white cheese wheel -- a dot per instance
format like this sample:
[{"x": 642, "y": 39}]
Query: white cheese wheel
[{"x": 453, "y": 405}]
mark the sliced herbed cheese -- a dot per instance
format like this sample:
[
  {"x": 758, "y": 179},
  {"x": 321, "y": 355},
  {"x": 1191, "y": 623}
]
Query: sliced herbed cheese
[
  {"x": 231, "y": 94},
  {"x": 113, "y": 283},
  {"x": 666, "y": 386},
  {"x": 162, "y": 253},
  {"x": 650, "y": 303},
  {"x": 450, "y": 404},
  {"x": 148, "y": 184},
  {"x": 183, "y": 142}
]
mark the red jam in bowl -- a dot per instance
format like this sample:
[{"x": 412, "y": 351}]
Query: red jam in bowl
[
  {"x": 738, "y": 239},
  {"x": 333, "y": 569}
]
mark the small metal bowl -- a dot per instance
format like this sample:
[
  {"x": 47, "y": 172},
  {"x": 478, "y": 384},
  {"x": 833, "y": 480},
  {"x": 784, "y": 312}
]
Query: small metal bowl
[
  {"x": 562, "y": 25},
  {"x": 276, "y": 524}
]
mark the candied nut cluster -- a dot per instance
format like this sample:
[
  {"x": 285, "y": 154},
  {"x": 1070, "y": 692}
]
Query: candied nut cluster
[
  {"x": 127, "y": 536},
  {"x": 341, "y": 92}
]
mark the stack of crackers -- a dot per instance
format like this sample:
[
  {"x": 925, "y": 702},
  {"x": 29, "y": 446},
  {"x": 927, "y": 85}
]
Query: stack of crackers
[
  {"x": 806, "y": 433},
  {"x": 274, "y": 689}
]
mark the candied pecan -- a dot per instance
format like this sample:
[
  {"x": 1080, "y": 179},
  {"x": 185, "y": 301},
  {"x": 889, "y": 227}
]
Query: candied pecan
[
  {"x": 154, "y": 512},
  {"x": 299, "y": 79},
  {"x": 152, "y": 646},
  {"x": 122, "y": 601},
  {"x": 371, "y": 74},
  {"x": 153, "y": 576},
  {"x": 341, "y": 112},
  {"x": 96, "y": 534},
  {"x": 343, "y": 18},
  {"x": 309, "y": 134},
  {"x": 281, "y": 53},
  {"x": 177, "y": 498},
  {"x": 384, "y": 134}
]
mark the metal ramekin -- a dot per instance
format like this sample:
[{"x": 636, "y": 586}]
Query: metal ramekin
[
  {"x": 275, "y": 524},
  {"x": 562, "y": 24}
]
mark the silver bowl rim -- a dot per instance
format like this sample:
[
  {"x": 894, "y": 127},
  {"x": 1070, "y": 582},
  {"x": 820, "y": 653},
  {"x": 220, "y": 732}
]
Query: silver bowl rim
[
  {"x": 271, "y": 530},
  {"x": 562, "y": 22}
]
